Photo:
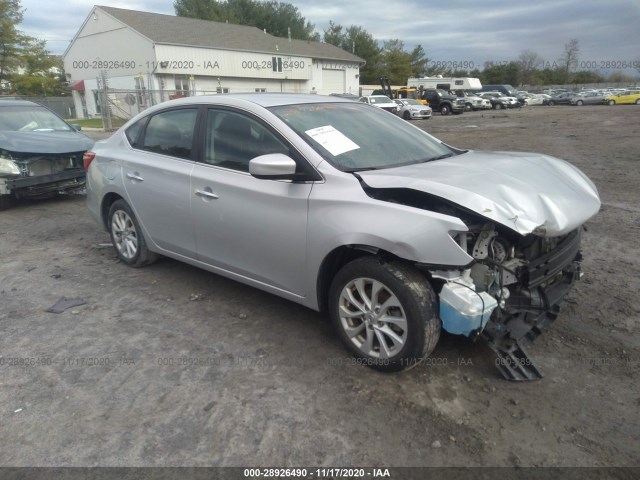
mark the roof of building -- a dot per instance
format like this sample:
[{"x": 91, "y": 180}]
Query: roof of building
[{"x": 193, "y": 32}]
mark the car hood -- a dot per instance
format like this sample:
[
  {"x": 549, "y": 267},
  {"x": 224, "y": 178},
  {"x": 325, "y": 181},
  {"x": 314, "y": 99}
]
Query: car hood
[
  {"x": 44, "y": 142},
  {"x": 527, "y": 192}
]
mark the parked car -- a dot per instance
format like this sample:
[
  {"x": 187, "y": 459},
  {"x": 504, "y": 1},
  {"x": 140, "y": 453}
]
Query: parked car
[
  {"x": 533, "y": 99},
  {"x": 628, "y": 97},
  {"x": 506, "y": 90},
  {"x": 380, "y": 101},
  {"x": 587, "y": 98},
  {"x": 473, "y": 101},
  {"x": 40, "y": 154},
  {"x": 499, "y": 100},
  {"x": 560, "y": 99},
  {"x": 343, "y": 208},
  {"x": 410, "y": 109}
]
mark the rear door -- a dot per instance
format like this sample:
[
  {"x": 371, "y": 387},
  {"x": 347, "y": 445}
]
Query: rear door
[{"x": 157, "y": 179}]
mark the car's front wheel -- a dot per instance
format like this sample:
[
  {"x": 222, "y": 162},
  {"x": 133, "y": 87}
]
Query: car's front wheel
[
  {"x": 127, "y": 237},
  {"x": 579, "y": 103},
  {"x": 445, "y": 110},
  {"x": 612, "y": 102},
  {"x": 406, "y": 115},
  {"x": 498, "y": 106},
  {"x": 384, "y": 313}
]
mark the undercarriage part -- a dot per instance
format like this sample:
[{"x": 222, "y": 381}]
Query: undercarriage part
[{"x": 515, "y": 364}]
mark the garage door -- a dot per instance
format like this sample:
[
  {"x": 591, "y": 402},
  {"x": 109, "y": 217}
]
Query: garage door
[{"x": 333, "y": 81}]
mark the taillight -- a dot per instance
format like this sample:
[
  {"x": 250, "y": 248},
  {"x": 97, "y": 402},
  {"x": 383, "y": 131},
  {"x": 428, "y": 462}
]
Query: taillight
[{"x": 87, "y": 158}]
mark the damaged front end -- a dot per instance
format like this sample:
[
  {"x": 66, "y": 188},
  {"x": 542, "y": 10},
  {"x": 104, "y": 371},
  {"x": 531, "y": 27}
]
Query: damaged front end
[
  {"x": 513, "y": 286},
  {"x": 39, "y": 175},
  {"x": 522, "y": 282}
]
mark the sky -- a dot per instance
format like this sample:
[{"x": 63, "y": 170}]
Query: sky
[{"x": 468, "y": 31}]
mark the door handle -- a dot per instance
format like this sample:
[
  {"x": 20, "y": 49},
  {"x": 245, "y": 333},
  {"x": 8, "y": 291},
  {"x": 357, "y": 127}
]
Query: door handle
[
  {"x": 135, "y": 176},
  {"x": 206, "y": 193}
]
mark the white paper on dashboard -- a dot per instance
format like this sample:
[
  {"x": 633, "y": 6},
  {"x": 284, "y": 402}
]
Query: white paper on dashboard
[{"x": 332, "y": 140}]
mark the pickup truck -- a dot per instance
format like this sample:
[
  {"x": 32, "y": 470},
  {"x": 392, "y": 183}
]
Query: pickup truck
[{"x": 443, "y": 102}]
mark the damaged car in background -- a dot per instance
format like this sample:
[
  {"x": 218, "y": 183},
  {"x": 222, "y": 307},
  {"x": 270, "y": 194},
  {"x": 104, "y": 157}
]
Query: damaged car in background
[
  {"x": 362, "y": 215},
  {"x": 40, "y": 154}
]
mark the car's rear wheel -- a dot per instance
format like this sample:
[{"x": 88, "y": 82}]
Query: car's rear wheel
[
  {"x": 406, "y": 116},
  {"x": 127, "y": 237},
  {"x": 498, "y": 106},
  {"x": 579, "y": 103},
  {"x": 638, "y": 102},
  {"x": 445, "y": 110},
  {"x": 384, "y": 313},
  {"x": 612, "y": 102}
]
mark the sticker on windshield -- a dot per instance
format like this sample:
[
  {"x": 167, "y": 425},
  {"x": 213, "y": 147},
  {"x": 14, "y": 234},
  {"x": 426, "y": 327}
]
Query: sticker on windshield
[{"x": 332, "y": 140}]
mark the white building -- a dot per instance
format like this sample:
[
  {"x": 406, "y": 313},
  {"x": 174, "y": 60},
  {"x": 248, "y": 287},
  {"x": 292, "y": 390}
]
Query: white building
[{"x": 176, "y": 56}]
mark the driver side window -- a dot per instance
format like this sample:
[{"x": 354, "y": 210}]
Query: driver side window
[{"x": 233, "y": 139}]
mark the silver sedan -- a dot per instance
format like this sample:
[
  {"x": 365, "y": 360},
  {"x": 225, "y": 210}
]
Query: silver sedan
[
  {"x": 344, "y": 208},
  {"x": 411, "y": 109}
]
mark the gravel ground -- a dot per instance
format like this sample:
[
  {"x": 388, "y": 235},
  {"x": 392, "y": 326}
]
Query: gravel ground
[{"x": 173, "y": 366}]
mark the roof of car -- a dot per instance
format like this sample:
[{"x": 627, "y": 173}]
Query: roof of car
[
  {"x": 12, "y": 102},
  {"x": 262, "y": 99}
]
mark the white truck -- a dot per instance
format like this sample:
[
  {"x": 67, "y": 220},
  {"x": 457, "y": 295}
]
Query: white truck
[{"x": 459, "y": 86}]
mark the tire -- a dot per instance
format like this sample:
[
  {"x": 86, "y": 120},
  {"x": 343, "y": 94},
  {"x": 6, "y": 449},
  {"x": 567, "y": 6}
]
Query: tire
[
  {"x": 445, "y": 110},
  {"x": 357, "y": 294},
  {"x": 552, "y": 103},
  {"x": 638, "y": 102},
  {"x": 406, "y": 116},
  {"x": 579, "y": 103},
  {"x": 612, "y": 102},
  {"x": 126, "y": 236},
  {"x": 498, "y": 106},
  {"x": 468, "y": 107}
]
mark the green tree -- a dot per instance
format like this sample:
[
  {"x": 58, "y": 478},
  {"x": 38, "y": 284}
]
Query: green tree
[
  {"x": 358, "y": 41},
  {"x": 12, "y": 40},
  {"x": 396, "y": 62},
  {"x": 501, "y": 73},
  {"x": 274, "y": 17},
  {"x": 419, "y": 61},
  {"x": 22, "y": 52}
]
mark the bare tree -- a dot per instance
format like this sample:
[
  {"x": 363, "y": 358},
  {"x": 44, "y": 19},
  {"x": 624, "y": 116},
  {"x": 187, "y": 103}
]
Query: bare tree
[
  {"x": 569, "y": 58},
  {"x": 529, "y": 63}
]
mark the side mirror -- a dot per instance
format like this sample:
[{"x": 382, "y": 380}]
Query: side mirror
[
  {"x": 273, "y": 166},
  {"x": 76, "y": 127}
]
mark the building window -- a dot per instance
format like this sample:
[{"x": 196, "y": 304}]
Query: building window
[
  {"x": 261, "y": 89},
  {"x": 222, "y": 89},
  {"x": 182, "y": 86},
  {"x": 276, "y": 63}
]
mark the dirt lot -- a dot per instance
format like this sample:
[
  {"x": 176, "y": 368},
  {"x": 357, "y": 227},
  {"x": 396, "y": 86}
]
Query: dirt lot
[{"x": 171, "y": 365}]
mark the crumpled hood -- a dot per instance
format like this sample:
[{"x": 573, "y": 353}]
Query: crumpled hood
[
  {"x": 527, "y": 192},
  {"x": 44, "y": 142}
]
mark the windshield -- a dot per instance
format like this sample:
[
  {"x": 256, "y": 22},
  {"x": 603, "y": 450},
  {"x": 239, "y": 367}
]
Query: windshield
[
  {"x": 353, "y": 136},
  {"x": 411, "y": 102},
  {"x": 30, "y": 118},
  {"x": 380, "y": 99}
]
